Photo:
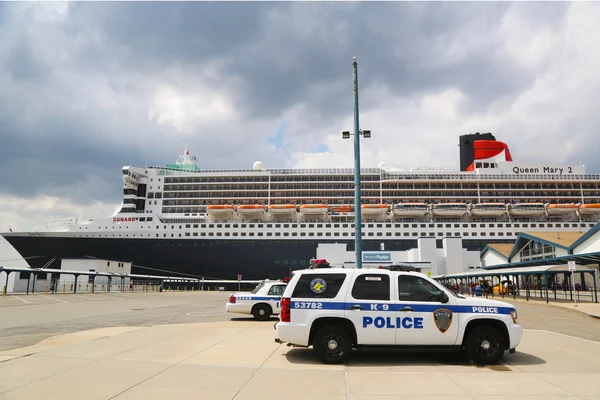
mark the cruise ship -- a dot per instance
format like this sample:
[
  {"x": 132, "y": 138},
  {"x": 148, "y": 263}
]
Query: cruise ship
[{"x": 181, "y": 219}]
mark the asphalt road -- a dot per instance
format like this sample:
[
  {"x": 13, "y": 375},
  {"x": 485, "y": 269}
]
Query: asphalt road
[{"x": 26, "y": 320}]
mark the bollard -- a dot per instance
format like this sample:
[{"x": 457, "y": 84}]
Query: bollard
[
  {"x": 71, "y": 288},
  {"x": 46, "y": 289},
  {"x": 4, "y": 290},
  {"x": 64, "y": 287},
  {"x": 103, "y": 289},
  {"x": 91, "y": 287}
]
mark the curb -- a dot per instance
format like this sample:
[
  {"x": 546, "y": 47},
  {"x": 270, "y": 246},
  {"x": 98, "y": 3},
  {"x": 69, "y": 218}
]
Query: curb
[{"x": 543, "y": 302}]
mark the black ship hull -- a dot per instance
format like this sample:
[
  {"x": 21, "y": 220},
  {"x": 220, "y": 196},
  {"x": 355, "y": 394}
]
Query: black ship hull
[{"x": 193, "y": 258}]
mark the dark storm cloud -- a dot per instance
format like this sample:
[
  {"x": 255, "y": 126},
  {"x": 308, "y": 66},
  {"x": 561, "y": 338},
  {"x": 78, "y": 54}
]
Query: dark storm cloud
[{"x": 54, "y": 135}]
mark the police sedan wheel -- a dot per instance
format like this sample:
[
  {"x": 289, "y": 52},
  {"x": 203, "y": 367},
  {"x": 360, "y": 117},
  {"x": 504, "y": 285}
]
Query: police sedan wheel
[
  {"x": 332, "y": 345},
  {"x": 261, "y": 312},
  {"x": 485, "y": 345}
]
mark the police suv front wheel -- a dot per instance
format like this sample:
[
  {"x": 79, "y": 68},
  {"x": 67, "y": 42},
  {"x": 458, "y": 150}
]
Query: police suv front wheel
[
  {"x": 332, "y": 344},
  {"x": 485, "y": 345}
]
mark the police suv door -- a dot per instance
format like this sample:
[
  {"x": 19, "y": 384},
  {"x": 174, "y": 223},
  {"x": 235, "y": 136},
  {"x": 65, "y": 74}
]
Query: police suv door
[
  {"x": 422, "y": 318},
  {"x": 370, "y": 306}
]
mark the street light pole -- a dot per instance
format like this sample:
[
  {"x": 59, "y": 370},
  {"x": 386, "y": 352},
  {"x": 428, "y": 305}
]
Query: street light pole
[
  {"x": 357, "y": 208},
  {"x": 357, "y": 134}
]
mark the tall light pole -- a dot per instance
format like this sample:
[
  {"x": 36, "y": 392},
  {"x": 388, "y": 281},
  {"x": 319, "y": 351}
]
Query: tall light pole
[{"x": 346, "y": 135}]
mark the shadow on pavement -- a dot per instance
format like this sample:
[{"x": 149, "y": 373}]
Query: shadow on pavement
[
  {"x": 251, "y": 319},
  {"x": 399, "y": 358}
]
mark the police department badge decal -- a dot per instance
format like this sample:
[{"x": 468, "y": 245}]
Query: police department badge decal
[
  {"x": 318, "y": 285},
  {"x": 443, "y": 319}
]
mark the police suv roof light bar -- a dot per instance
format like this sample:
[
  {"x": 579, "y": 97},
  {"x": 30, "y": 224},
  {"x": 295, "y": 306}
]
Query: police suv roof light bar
[{"x": 399, "y": 267}]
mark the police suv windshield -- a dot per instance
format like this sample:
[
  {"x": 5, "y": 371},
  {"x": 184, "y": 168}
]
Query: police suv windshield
[{"x": 256, "y": 289}]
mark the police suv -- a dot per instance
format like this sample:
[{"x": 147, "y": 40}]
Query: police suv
[
  {"x": 337, "y": 309},
  {"x": 262, "y": 302}
]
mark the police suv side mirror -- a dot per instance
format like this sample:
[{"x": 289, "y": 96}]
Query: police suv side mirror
[{"x": 444, "y": 298}]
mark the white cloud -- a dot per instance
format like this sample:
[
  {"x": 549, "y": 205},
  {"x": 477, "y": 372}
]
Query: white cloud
[
  {"x": 150, "y": 106},
  {"x": 553, "y": 120},
  {"x": 24, "y": 214}
]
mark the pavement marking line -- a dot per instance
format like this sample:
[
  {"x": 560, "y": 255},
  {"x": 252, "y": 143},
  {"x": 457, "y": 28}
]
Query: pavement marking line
[
  {"x": 562, "y": 334},
  {"x": 23, "y": 300},
  {"x": 177, "y": 363},
  {"x": 258, "y": 369},
  {"x": 346, "y": 381},
  {"x": 52, "y": 298},
  {"x": 47, "y": 377}
]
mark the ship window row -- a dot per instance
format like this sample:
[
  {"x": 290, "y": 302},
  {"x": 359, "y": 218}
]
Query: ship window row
[
  {"x": 343, "y": 234},
  {"x": 370, "y": 226},
  {"x": 387, "y": 196},
  {"x": 367, "y": 199},
  {"x": 257, "y": 188},
  {"x": 380, "y": 226},
  {"x": 196, "y": 179},
  {"x": 273, "y": 178},
  {"x": 493, "y": 177},
  {"x": 282, "y": 195},
  {"x": 224, "y": 187},
  {"x": 497, "y": 186}
]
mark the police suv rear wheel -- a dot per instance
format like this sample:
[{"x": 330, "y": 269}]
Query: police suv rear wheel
[
  {"x": 262, "y": 312},
  {"x": 485, "y": 345},
  {"x": 332, "y": 344}
]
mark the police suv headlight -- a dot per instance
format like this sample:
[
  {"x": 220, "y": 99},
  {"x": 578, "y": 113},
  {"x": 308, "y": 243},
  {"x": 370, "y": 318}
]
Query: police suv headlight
[{"x": 513, "y": 315}]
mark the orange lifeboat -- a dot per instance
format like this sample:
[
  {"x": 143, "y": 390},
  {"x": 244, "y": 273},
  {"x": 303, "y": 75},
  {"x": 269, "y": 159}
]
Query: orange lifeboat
[
  {"x": 589, "y": 209},
  {"x": 560, "y": 209},
  {"x": 488, "y": 209},
  {"x": 251, "y": 210},
  {"x": 282, "y": 209},
  {"x": 450, "y": 209},
  {"x": 410, "y": 209},
  {"x": 342, "y": 209},
  {"x": 314, "y": 209},
  {"x": 220, "y": 209},
  {"x": 527, "y": 209},
  {"x": 374, "y": 209}
]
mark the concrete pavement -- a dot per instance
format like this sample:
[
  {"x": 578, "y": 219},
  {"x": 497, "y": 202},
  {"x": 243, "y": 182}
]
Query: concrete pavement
[
  {"x": 160, "y": 345},
  {"x": 239, "y": 360}
]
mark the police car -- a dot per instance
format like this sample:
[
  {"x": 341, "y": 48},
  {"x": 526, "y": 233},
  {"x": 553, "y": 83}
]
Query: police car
[
  {"x": 337, "y": 309},
  {"x": 262, "y": 302}
]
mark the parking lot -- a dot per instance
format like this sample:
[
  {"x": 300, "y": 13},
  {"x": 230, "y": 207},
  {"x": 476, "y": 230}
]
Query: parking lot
[{"x": 158, "y": 345}]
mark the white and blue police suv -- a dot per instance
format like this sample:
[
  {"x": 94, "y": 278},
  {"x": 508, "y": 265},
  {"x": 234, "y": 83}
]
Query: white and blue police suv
[
  {"x": 337, "y": 309},
  {"x": 262, "y": 302}
]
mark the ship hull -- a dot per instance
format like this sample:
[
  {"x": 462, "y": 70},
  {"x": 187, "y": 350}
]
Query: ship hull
[{"x": 191, "y": 257}]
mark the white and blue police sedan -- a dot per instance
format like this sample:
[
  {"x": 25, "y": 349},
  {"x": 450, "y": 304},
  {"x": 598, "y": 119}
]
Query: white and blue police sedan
[{"x": 262, "y": 302}]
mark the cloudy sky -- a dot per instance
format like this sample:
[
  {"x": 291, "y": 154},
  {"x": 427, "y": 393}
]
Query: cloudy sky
[{"x": 86, "y": 88}]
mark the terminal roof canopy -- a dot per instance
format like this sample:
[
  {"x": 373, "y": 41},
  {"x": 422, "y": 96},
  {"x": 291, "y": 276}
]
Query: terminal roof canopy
[
  {"x": 531, "y": 270},
  {"x": 502, "y": 249}
]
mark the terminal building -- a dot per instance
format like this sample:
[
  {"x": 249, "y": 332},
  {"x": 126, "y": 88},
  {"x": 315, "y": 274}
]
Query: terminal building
[
  {"x": 25, "y": 281},
  {"x": 451, "y": 258},
  {"x": 558, "y": 265},
  {"x": 550, "y": 249}
]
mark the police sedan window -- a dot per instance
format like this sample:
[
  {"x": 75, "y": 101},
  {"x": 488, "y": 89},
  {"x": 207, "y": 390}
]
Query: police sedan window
[
  {"x": 414, "y": 288},
  {"x": 276, "y": 290},
  {"x": 256, "y": 289},
  {"x": 371, "y": 287}
]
